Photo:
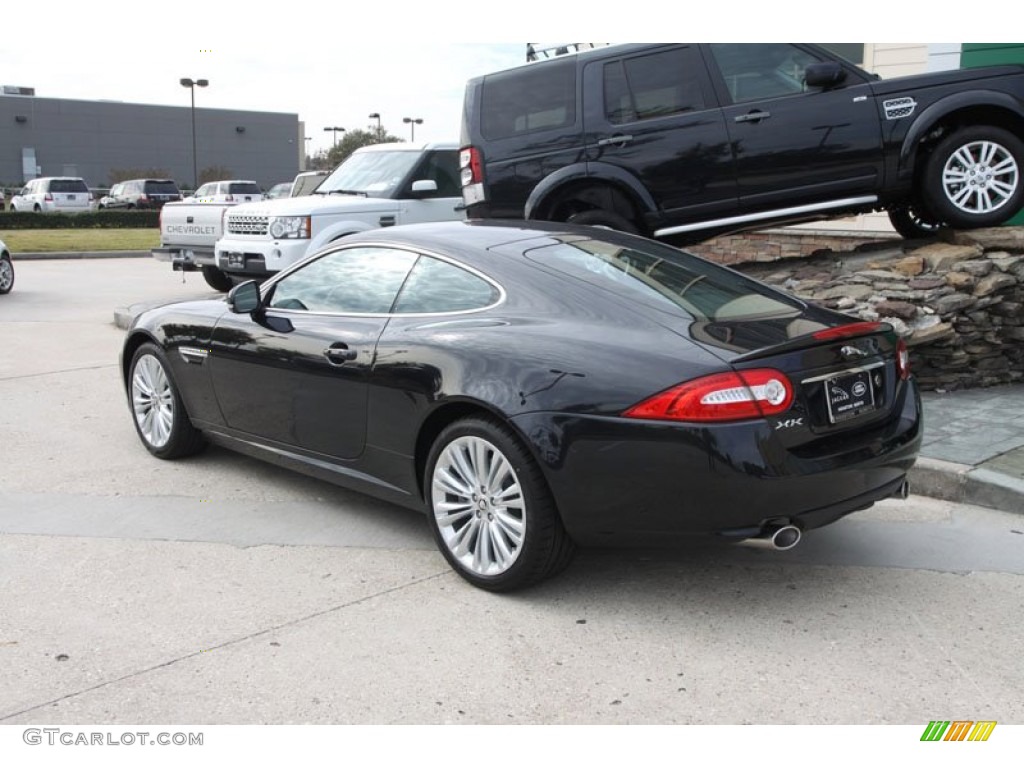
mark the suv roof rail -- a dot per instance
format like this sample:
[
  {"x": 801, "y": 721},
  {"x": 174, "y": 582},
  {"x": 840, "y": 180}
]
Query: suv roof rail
[{"x": 536, "y": 54}]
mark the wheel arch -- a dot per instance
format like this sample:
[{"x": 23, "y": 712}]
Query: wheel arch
[
  {"x": 449, "y": 413},
  {"x": 992, "y": 108},
  {"x": 135, "y": 340},
  {"x": 589, "y": 186}
]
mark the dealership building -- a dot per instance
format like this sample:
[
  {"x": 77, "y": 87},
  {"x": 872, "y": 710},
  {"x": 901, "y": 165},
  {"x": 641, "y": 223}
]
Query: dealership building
[{"x": 95, "y": 139}]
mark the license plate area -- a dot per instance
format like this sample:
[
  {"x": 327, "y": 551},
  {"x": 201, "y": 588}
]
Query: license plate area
[{"x": 849, "y": 394}]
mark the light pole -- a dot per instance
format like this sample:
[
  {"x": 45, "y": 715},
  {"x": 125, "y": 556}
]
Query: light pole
[
  {"x": 335, "y": 130},
  {"x": 191, "y": 84},
  {"x": 376, "y": 116},
  {"x": 413, "y": 122}
]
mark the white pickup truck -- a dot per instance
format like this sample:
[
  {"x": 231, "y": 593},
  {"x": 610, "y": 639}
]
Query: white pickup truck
[{"x": 381, "y": 185}]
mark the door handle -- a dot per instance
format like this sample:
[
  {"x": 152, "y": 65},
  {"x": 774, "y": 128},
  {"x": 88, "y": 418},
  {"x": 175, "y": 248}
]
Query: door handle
[
  {"x": 752, "y": 117},
  {"x": 618, "y": 140},
  {"x": 339, "y": 354}
]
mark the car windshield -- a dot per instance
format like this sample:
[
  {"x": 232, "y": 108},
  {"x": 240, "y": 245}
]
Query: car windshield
[
  {"x": 666, "y": 279},
  {"x": 374, "y": 174}
]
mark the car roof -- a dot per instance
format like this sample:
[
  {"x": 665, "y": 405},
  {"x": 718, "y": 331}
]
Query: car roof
[{"x": 409, "y": 146}]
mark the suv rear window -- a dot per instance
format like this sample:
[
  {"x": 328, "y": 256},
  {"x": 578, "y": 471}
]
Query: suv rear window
[
  {"x": 244, "y": 188},
  {"x": 529, "y": 99},
  {"x": 161, "y": 188},
  {"x": 68, "y": 185}
]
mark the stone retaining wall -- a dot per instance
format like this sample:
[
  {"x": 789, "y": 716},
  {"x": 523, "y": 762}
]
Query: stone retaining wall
[
  {"x": 772, "y": 245},
  {"x": 959, "y": 304}
]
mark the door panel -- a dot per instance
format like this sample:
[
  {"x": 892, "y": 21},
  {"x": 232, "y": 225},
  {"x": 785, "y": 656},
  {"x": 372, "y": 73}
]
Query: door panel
[
  {"x": 793, "y": 145},
  {"x": 655, "y": 116}
]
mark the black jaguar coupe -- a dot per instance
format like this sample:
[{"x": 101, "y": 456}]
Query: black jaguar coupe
[{"x": 532, "y": 387}]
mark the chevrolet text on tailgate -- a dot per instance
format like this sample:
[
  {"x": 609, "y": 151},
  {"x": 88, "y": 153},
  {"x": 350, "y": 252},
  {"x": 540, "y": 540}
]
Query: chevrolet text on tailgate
[{"x": 377, "y": 186}]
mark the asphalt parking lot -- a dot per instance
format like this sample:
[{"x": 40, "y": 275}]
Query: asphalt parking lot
[{"x": 223, "y": 590}]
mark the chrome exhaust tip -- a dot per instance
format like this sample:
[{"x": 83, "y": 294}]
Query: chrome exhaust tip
[
  {"x": 780, "y": 538},
  {"x": 904, "y": 490}
]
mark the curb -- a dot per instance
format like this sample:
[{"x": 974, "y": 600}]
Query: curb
[
  {"x": 964, "y": 484},
  {"x": 79, "y": 255}
]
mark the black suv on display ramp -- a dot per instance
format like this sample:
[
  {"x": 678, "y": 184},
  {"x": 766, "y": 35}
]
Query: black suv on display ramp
[{"x": 683, "y": 142}]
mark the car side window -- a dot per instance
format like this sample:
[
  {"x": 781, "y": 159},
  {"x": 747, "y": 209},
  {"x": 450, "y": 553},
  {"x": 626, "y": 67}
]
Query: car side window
[
  {"x": 349, "y": 281},
  {"x": 529, "y": 99},
  {"x": 656, "y": 85},
  {"x": 438, "y": 286},
  {"x": 754, "y": 71},
  {"x": 442, "y": 168}
]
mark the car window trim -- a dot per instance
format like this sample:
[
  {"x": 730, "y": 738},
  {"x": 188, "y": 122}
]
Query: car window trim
[{"x": 419, "y": 252}]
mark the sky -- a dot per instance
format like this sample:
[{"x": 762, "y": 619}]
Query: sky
[{"x": 334, "y": 63}]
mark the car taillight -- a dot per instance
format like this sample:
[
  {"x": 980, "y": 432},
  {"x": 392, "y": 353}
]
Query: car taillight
[
  {"x": 902, "y": 360},
  {"x": 720, "y": 397},
  {"x": 229, "y": 199},
  {"x": 845, "y": 331},
  {"x": 48, "y": 198},
  {"x": 471, "y": 165}
]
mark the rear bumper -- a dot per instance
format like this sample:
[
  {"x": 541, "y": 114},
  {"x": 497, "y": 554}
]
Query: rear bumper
[{"x": 621, "y": 481}]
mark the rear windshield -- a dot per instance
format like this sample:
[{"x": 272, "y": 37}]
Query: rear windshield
[
  {"x": 666, "y": 279},
  {"x": 244, "y": 188},
  {"x": 529, "y": 99},
  {"x": 68, "y": 185},
  {"x": 161, "y": 188}
]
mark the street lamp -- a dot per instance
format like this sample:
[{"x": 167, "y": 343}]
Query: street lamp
[
  {"x": 413, "y": 122},
  {"x": 376, "y": 116},
  {"x": 335, "y": 130},
  {"x": 191, "y": 84}
]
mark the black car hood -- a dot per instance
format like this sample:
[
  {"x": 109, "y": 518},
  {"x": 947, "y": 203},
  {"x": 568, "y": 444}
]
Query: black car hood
[{"x": 905, "y": 85}]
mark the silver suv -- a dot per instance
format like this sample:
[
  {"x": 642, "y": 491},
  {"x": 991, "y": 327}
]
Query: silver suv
[{"x": 54, "y": 193}]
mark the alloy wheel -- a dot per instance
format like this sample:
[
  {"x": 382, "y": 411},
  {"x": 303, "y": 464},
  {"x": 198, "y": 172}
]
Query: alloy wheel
[
  {"x": 980, "y": 177},
  {"x": 479, "y": 506},
  {"x": 6, "y": 275},
  {"x": 152, "y": 401}
]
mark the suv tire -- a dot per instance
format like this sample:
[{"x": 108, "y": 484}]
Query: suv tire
[
  {"x": 912, "y": 222},
  {"x": 971, "y": 170},
  {"x": 598, "y": 217},
  {"x": 217, "y": 279}
]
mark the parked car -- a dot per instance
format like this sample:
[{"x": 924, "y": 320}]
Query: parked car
[
  {"x": 230, "y": 191},
  {"x": 6, "y": 269},
  {"x": 536, "y": 386},
  {"x": 284, "y": 189},
  {"x": 685, "y": 141},
  {"x": 143, "y": 194},
  {"x": 68, "y": 194}
]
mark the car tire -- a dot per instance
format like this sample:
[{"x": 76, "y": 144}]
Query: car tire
[
  {"x": 973, "y": 177},
  {"x": 157, "y": 409},
  {"x": 912, "y": 222},
  {"x": 217, "y": 279},
  {"x": 490, "y": 510},
  {"x": 36, "y": 208},
  {"x": 598, "y": 217},
  {"x": 6, "y": 274}
]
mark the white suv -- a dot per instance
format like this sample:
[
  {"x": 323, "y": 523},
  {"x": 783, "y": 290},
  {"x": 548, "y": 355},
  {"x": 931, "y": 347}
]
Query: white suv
[
  {"x": 232, "y": 191},
  {"x": 54, "y": 193}
]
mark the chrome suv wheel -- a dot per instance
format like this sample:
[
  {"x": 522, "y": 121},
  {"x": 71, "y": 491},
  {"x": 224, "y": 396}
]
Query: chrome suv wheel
[{"x": 973, "y": 177}]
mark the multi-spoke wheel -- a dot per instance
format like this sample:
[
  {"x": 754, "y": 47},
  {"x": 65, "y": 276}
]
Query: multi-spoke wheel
[
  {"x": 973, "y": 177},
  {"x": 490, "y": 510},
  {"x": 160, "y": 417},
  {"x": 6, "y": 274}
]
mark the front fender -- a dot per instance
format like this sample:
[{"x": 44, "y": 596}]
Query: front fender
[
  {"x": 338, "y": 229},
  {"x": 932, "y": 114}
]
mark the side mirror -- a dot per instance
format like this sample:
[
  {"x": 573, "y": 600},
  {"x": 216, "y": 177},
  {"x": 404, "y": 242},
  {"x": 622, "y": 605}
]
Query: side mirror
[
  {"x": 424, "y": 186},
  {"x": 824, "y": 74},
  {"x": 244, "y": 298}
]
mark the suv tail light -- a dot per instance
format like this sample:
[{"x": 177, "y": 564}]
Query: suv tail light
[
  {"x": 48, "y": 198},
  {"x": 902, "y": 360},
  {"x": 730, "y": 396},
  {"x": 471, "y": 165}
]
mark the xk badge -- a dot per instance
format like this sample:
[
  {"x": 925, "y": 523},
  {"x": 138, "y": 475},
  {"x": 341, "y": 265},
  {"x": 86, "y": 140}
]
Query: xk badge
[{"x": 789, "y": 423}]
